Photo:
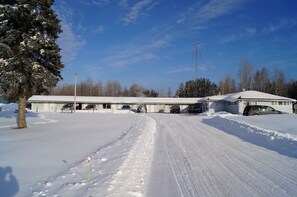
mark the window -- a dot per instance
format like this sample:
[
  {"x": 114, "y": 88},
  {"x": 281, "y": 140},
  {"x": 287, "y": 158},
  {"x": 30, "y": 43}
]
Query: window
[
  {"x": 270, "y": 108},
  {"x": 106, "y": 106},
  {"x": 280, "y": 103}
]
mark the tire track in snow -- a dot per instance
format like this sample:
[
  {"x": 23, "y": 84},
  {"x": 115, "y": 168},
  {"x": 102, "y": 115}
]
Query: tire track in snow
[
  {"x": 178, "y": 160},
  {"x": 172, "y": 166},
  {"x": 118, "y": 168},
  {"x": 209, "y": 162}
]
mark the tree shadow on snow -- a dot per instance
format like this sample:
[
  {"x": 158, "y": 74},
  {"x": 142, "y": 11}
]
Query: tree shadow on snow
[
  {"x": 13, "y": 114},
  {"x": 8, "y": 183},
  {"x": 284, "y": 146}
]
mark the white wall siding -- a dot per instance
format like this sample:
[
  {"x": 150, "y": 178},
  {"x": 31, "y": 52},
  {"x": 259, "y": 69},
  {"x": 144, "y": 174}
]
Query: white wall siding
[
  {"x": 233, "y": 107},
  {"x": 285, "y": 106},
  {"x": 217, "y": 106}
]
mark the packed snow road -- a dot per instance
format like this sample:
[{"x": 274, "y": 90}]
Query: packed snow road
[
  {"x": 193, "y": 158},
  {"x": 127, "y": 154}
]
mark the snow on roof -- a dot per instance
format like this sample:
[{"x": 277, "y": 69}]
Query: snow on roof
[
  {"x": 215, "y": 98},
  {"x": 251, "y": 94},
  {"x": 97, "y": 99}
]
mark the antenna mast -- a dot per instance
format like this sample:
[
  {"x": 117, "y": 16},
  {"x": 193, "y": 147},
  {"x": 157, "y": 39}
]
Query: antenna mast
[{"x": 196, "y": 47}]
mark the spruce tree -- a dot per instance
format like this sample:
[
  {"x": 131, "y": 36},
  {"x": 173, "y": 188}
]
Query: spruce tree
[
  {"x": 30, "y": 62},
  {"x": 197, "y": 88}
]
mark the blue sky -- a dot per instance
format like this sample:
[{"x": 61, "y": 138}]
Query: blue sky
[{"x": 151, "y": 42}]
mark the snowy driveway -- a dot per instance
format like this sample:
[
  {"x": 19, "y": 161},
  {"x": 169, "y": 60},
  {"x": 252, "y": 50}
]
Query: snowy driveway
[
  {"x": 193, "y": 158},
  {"x": 144, "y": 155}
]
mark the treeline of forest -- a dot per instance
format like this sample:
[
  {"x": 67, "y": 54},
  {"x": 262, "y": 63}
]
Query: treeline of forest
[
  {"x": 264, "y": 80},
  {"x": 110, "y": 88},
  {"x": 248, "y": 78}
]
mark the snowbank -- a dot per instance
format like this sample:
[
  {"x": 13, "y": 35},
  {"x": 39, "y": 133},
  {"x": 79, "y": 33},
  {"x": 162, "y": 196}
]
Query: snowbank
[
  {"x": 277, "y": 125},
  {"x": 259, "y": 130}
]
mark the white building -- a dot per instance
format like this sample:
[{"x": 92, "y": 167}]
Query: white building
[
  {"x": 233, "y": 103},
  {"x": 236, "y": 102},
  {"x": 55, "y": 103}
]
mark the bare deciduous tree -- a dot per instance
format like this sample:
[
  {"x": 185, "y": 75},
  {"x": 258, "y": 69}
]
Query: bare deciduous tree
[
  {"x": 169, "y": 92},
  {"x": 98, "y": 89},
  {"x": 279, "y": 83},
  {"x": 245, "y": 75},
  {"x": 136, "y": 90},
  {"x": 226, "y": 86}
]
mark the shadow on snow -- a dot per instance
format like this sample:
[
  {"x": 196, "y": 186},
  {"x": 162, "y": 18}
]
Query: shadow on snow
[
  {"x": 8, "y": 183},
  {"x": 13, "y": 115},
  {"x": 284, "y": 146}
]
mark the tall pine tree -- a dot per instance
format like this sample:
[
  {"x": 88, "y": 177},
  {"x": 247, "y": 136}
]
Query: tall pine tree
[
  {"x": 197, "y": 88},
  {"x": 30, "y": 62}
]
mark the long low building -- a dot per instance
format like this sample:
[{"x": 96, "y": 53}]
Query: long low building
[
  {"x": 233, "y": 103},
  {"x": 55, "y": 103}
]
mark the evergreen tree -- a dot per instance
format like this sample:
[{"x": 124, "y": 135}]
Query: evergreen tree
[
  {"x": 292, "y": 90},
  {"x": 150, "y": 93},
  {"x": 30, "y": 62},
  {"x": 197, "y": 88},
  {"x": 204, "y": 87},
  {"x": 180, "y": 92}
]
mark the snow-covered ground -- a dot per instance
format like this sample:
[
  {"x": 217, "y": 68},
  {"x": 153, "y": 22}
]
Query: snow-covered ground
[{"x": 127, "y": 154}]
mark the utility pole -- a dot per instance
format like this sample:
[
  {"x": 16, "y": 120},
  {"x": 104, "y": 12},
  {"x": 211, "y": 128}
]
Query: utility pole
[
  {"x": 196, "y": 47},
  {"x": 74, "y": 105}
]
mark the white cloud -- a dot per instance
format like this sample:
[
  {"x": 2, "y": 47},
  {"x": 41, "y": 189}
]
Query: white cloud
[
  {"x": 123, "y": 57},
  {"x": 133, "y": 54},
  {"x": 85, "y": 2},
  {"x": 101, "y": 2},
  {"x": 248, "y": 33},
  {"x": 180, "y": 70},
  {"x": 95, "y": 2},
  {"x": 199, "y": 15},
  {"x": 99, "y": 30},
  {"x": 123, "y": 3},
  {"x": 202, "y": 67},
  {"x": 282, "y": 23},
  {"x": 216, "y": 8},
  {"x": 69, "y": 43},
  {"x": 137, "y": 10},
  {"x": 159, "y": 43}
]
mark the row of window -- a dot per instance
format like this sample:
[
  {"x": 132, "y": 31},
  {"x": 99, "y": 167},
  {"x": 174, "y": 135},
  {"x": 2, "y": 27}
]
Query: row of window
[
  {"x": 280, "y": 103},
  {"x": 272, "y": 103}
]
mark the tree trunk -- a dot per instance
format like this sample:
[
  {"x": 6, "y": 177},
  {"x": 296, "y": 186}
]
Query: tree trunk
[{"x": 22, "y": 112}]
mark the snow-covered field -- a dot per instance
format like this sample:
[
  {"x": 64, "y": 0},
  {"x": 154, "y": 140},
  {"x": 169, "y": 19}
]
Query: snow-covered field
[{"x": 127, "y": 154}]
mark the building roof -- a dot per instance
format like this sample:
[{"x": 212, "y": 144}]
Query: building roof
[
  {"x": 215, "y": 98},
  {"x": 126, "y": 100},
  {"x": 255, "y": 95},
  {"x": 245, "y": 95}
]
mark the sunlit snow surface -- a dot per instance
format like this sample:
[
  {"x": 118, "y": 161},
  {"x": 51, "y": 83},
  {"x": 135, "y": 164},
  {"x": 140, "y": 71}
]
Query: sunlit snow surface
[{"x": 128, "y": 154}]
